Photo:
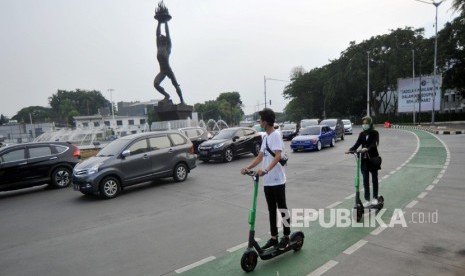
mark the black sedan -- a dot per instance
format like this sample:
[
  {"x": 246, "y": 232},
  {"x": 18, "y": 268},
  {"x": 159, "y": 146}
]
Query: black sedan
[{"x": 229, "y": 143}]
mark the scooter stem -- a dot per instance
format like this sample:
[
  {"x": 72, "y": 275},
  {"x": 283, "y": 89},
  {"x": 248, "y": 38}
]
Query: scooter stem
[{"x": 253, "y": 212}]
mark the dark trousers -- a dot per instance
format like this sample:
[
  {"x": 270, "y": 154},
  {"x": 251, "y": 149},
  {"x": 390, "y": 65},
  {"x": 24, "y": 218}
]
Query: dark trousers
[
  {"x": 366, "y": 180},
  {"x": 276, "y": 199}
]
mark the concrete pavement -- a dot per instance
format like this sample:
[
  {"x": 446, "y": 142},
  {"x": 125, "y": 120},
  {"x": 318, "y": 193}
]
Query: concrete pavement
[{"x": 427, "y": 190}]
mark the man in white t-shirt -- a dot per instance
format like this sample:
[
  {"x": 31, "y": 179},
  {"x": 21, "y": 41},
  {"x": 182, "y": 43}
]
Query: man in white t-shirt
[{"x": 274, "y": 178}]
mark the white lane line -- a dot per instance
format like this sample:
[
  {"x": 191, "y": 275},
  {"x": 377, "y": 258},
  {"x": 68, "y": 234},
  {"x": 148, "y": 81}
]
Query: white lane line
[
  {"x": 378, "y": 230},
  {"x": 355, "y": 247},
  {"x": 440, "y": 175},
  {"x": 237, "y": 247},
  {"x": 411, "y": 204},
  {"x": 429, "y": 188},
  {"x": 191, "y": 266},
  {"x": 436, "y": 181},
  {"x": 386, "y": 176},
  {"x": 443, "y": 171},
  {"x": 324, "y": 268},
  {"x": 422, "y": 194},
  {"x": 398, "y": 168},
  {"x": 350, "y": 196},
  {"x": 333, "y": 205},
  {"x": 392, "y": 172}
]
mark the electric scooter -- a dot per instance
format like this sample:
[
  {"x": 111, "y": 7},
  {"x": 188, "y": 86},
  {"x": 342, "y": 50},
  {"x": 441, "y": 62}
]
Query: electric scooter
[
  {"x": 360, "y": 210},
  {"x": 250, "y": 257}
]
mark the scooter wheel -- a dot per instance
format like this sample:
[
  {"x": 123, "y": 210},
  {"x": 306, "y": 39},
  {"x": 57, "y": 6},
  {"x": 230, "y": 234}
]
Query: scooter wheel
[
  {"x": 297, "y": 239},
  {"x": 360, "y": 212},
  {"x": 249, "y": 260}
]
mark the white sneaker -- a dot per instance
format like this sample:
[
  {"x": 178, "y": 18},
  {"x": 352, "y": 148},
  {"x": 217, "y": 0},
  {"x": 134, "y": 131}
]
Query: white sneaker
[
  {"x": 366, "y": 204},
  {"x": 374, "y": 201}
]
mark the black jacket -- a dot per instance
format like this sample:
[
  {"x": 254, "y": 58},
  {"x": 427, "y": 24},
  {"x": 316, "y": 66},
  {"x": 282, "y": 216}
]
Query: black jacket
[{"x": 368, "y": 140}]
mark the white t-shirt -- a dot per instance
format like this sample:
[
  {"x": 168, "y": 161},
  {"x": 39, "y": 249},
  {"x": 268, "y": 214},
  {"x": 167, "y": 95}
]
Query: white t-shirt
[{"x": 277, "y": 176}]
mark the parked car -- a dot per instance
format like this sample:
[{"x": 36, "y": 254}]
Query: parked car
[
  {"x": 33, "y": 164},
  {"x": 197, "y": 135},
  {"x": 289, "y": 131},
  {"x": 314, "y": 138},
  {"x": 347, "y": 126},
  {"x": 229, "y": 143},
  {"x": 308, "y": 122},
  {"x": 134, "y": 159},
  {"x": 336, "y": 125}
]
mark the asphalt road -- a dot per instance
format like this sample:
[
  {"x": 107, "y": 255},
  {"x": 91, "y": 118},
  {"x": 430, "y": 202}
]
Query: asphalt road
[{"x": 158, "y": 228}]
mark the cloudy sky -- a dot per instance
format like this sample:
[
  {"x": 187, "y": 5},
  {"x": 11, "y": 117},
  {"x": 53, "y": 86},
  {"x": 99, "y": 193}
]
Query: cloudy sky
[{"x": 218, "y": 45}]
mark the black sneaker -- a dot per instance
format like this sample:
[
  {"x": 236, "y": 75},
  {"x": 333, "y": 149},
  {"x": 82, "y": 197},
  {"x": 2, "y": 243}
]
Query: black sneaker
[
  {"x": 270, "y": 243},
  {"x": 283, "y": 243}
]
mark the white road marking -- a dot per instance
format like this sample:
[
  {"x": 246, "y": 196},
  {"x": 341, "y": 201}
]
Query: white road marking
[
  {"x": 333, "y": 205},
  {"x": 324, "y": 268},
  {"x": 188, "y": 267},
  {"x": 411, "y": 204},
  {"x": 355, "y": 247},
  {"x": 422, "y": 195}
]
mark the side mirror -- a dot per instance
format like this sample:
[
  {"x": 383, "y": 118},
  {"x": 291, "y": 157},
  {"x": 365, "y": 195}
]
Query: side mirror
[
  {"x": 125, "y": 153},
  {"x": 235, "y": 138}
]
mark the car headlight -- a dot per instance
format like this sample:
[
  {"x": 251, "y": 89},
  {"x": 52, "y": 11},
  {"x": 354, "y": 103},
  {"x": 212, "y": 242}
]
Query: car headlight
[
  {"x": 218, "y": 145},
  {"x": 313, "y": 141},
  {"x": 94, "y": 168}
]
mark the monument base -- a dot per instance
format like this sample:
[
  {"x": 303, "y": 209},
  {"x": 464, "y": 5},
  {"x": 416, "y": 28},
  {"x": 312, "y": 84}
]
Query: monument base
[{"x": 167, "y": 111}]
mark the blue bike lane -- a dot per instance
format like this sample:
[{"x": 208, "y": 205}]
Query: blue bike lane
[{"x": 322, "y": 243}]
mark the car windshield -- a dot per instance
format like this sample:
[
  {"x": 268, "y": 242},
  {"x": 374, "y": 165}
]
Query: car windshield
[
  {"x": 224, "y": 134},
  {"x": 310, "y": 131},
  {"x": 289, "y": 126},
  {"x": 330, "y": 123},
  {"x": 114, "y": 148},
  {"x": 306, "y": 123},
  {"x": 346, "y": 122}
]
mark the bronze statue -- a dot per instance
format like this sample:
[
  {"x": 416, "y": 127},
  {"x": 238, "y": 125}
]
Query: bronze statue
[{"x": 163, "y": 53}]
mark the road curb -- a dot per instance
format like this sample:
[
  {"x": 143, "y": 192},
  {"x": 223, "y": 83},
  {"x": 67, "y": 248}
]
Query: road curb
[{"x": 441, "y": 132}]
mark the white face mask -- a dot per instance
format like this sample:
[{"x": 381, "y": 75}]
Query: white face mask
[{"x": 365, "y": 126}]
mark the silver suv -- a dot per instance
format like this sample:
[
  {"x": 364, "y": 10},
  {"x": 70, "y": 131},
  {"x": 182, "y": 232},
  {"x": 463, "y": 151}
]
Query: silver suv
[{"x": 134, "y": 159}]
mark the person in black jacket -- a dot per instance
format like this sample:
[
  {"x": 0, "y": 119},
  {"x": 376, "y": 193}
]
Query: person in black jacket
[{"x": 369, "y": 140}]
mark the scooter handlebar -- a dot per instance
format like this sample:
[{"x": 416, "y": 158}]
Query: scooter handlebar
[{"x": 251, "y": 173}]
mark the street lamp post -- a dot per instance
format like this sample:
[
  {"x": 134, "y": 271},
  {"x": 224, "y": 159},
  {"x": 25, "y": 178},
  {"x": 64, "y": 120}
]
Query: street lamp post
[
  {"x": 436, "y": 5},
  {"x": 112, "y": 110},
  {"x": 264, "y": 83},
  {"x": 368, "y": 83},
  {"x": 413, "y": 85}
]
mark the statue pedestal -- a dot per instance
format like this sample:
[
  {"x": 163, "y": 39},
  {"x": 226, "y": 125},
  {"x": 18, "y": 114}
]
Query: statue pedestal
[{"x": 167, "y": 111}]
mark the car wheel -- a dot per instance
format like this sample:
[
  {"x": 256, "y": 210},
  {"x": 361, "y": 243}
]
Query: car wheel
[
  {"x": 256, "y": 149},
  {"x": 180, "y": 172},
  {"x": 61, "y": 177},
  {"x": 333, "y": 142},
  {"x": 109, "y": 187},
  {"x": 318, "y": 146},
  {"x": 228, "y": 155}
]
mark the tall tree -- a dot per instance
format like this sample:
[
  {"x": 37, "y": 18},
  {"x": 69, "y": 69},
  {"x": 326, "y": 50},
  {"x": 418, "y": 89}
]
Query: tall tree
[
  {"x": 66, "y": 104},
  {"x": 38, "y": 114},
  {"x": 458, "y": 5},
  {"x": 3, "y": 120}
]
